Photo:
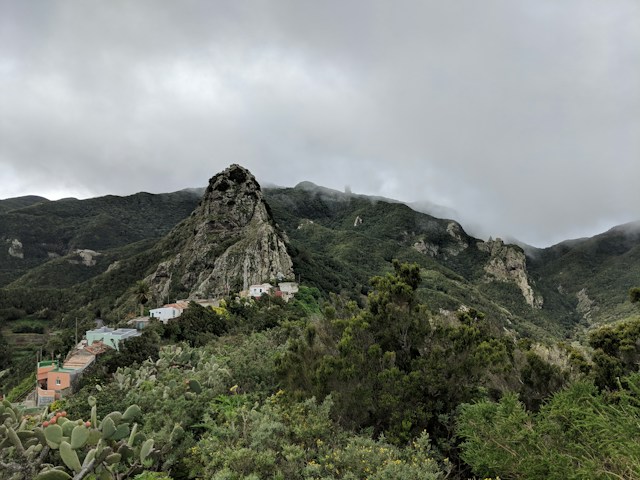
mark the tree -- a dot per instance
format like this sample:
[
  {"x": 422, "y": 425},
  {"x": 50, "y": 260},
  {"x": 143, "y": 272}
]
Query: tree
[
  {"x": 394, "y": 366},
  {"x": 634, "y": 295},
  {"x": 141, "y": 292},
  {"x": 616, "y": 351},
  {"x": 134, "y": 350},
  {"x": 198, "y": 325},
  {"x": 399, "y": 324}
]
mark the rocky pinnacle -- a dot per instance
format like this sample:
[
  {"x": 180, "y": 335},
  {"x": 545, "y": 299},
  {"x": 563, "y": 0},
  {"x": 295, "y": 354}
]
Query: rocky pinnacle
[{"x": 230, "y": 241}]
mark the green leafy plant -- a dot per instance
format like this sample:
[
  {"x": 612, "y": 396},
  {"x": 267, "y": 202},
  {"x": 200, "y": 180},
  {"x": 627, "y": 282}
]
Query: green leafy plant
[{"x": 55, "y": 447}]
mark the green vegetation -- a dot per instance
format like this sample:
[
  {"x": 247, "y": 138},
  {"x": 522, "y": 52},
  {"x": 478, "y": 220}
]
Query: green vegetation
[
  {"x": 20, "y": 391},
  {"x": 322, "y": 388},
  {"x": 579, "y": 433},
  {"x": 634, "y": 295},
  {"x": 596, "y": 268},
  {"x": 50, "y": 229},
  {"x": 54, "y": 447},
  {"x": 616, "y": 351}
]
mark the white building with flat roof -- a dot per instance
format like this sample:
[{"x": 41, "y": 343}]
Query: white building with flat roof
[
  {"x": 168, "y": 311},
  {"x": 258, "y": 290},
  {"x": 111, "y": 337}
]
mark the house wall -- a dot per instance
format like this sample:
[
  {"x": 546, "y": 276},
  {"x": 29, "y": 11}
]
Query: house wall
[
  {"x": 64, "y": 377},
  {"x": 93, "y": 337},
  {"x": 109, "y": 336},
  {"x": 258, "y": 290},
  {"x": 165, "y": 313},
  {"x": 112, "y": 341},
  {"x": 43, "y": 371},
  {"x": 104, "y": 337},
  {"x": 288, "y": 287},
  {"x": 45, "y": 397}
]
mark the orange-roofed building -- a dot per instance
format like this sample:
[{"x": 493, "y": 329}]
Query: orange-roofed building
[{"x": 52, "y": 381}]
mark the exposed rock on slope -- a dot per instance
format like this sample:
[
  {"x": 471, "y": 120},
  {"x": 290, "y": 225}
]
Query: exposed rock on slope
[
  {"x": 585, "y": 305},
  {"x": 509, "y": 264},
  {"x": 85, "y": 257},
  {"x": 229, "y": 242},
  {"x": 452, "y": 242},
  {"x": 15, "y": 248}
]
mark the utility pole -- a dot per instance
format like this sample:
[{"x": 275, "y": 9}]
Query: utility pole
[{"x": 76, "y": 332}]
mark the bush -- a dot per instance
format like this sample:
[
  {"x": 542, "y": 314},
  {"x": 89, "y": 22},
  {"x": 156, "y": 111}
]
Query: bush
[
  {"x": 22, "y": 389},
  {"x": 12, "y": 313},
  {"x": 28, "y": 329},
  {"x": 580, "y": 433}
]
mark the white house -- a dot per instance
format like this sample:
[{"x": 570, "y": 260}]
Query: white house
[
  {"x": 169, "y": 311},
  {"x": 288, "y": 287},
  {"x": 258, "y": 290}
]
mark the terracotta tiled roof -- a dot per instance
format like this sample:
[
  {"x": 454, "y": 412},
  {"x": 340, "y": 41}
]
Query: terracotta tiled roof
[
  {"x": 180, "y": 305},
  {"x": 96, "y": 348},
  {"x": 79, "y": 359}
]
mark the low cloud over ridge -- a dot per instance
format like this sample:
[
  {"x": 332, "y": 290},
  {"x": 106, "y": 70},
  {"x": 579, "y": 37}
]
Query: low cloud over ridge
[{"x": 524, "y": 117}]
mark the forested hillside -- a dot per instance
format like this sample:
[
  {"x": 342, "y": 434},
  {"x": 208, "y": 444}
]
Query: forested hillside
[
  {"x": 35, "y": 232},
  {"x": 324, "y": 389}
]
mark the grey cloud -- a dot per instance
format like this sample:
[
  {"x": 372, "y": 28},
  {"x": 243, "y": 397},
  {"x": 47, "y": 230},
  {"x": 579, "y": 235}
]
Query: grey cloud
[{"x": 524, "y": 117}]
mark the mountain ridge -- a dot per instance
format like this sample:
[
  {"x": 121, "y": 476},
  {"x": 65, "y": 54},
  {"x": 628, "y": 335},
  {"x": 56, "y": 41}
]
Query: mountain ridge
[{"x": 335, "y": 241}]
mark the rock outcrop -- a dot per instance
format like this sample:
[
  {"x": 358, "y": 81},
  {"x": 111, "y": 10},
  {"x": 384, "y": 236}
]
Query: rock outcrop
[
  {"x": 586, "y": 306},
  {"x": 85, "y": 257},
  {"x": 509, "y": 264},
  {"x": 229, "y": 242},
  {"x": 15, "y": 248},
  {"x": 450, "y": 242}
]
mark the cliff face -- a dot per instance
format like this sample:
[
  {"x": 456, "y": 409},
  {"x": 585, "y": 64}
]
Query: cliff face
[
  {"x": 509, "y": 264},
  {"x": 451, "y": 242},
  {"x": 229, "y": 242}
]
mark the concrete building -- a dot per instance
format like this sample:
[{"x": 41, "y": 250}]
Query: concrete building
[
  {"x": 110, "y": 337},
  {"x": 52, "y": 380},
  {"x": 257, "y": 291},
  {"x": 288, "y": 289},
  {"x": 139, "y": 323},
  {"x": 169, "y": 311}
]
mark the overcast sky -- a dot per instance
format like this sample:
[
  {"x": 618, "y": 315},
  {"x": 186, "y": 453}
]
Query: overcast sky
[{"x": 522, "y": 116}]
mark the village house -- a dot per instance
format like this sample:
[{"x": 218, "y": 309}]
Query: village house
[
  {"x": 285, "y": 290},
  {"x": 139, "y": 323},
  {"x": 111, "y": 337},
  {"x": 257, "y": 291},
  {"x": 54, "y": 380},
  {"x": 169, "y": 311},
  {"x": 288, "y": 289}
]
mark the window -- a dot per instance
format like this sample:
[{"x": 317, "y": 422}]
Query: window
[{"x": 58, "y": 381}]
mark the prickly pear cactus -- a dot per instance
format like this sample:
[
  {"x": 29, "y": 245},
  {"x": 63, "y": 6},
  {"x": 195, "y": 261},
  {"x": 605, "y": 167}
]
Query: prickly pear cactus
[{"x": 54, "y": 447}]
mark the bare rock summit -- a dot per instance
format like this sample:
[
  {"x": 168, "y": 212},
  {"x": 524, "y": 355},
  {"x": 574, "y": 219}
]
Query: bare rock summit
[{"x": 229, "y": 242}]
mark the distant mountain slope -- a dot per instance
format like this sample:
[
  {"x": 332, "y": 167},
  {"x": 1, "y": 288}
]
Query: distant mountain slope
[
  {"x": 340, "y": 240},
  {"x": 593, "y": 275},
  {"x": 16, "y": 203},
  {"x": 35, "y": 234}
]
